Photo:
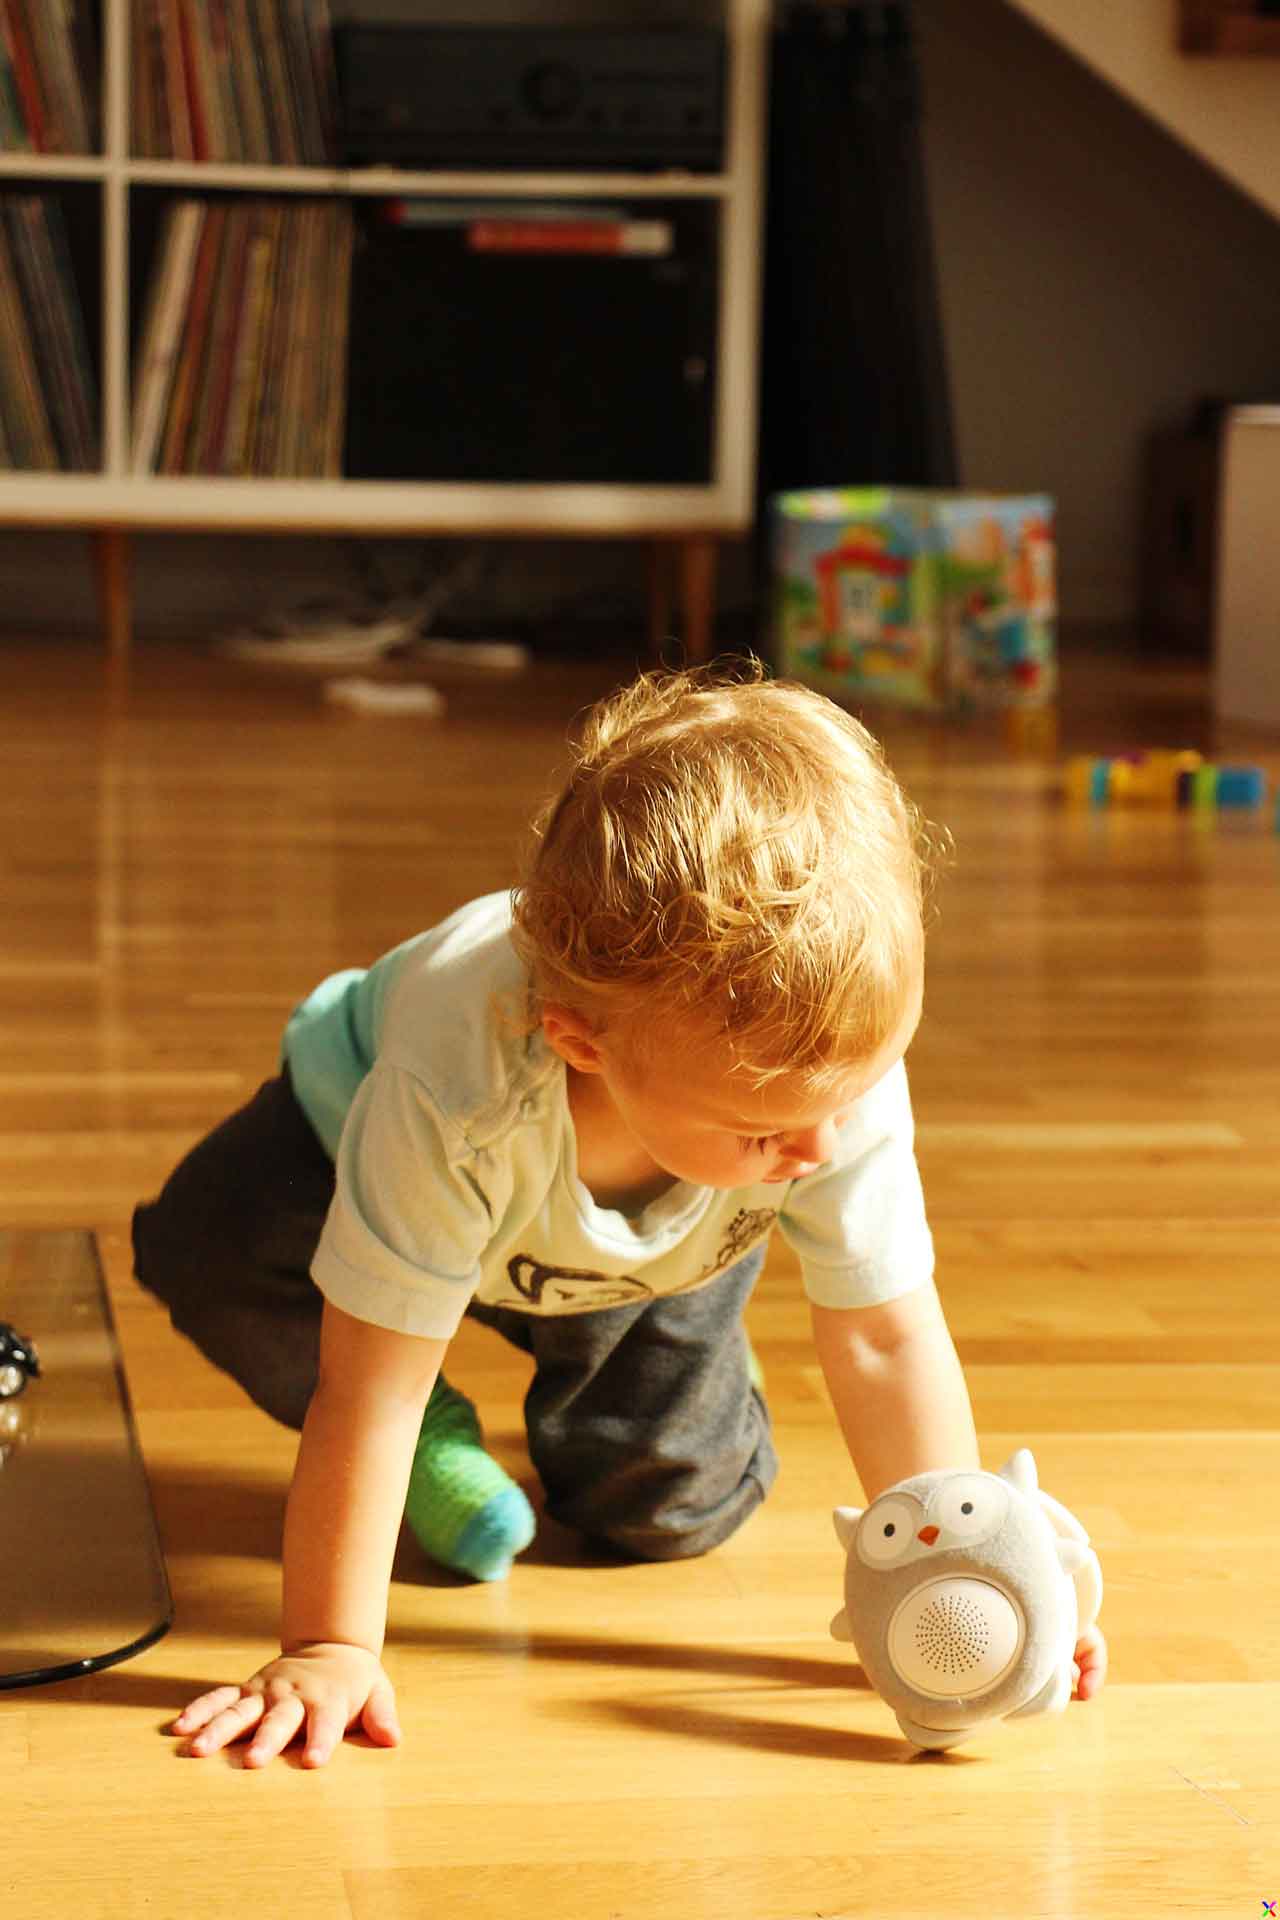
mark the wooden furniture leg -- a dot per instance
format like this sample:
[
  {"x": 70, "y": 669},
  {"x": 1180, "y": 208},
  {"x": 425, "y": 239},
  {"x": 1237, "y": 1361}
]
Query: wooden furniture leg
[
  {"x": 661, "y": 573},
  {"x": 115, "y": 608},
  {"x": 698, "y": 556}
]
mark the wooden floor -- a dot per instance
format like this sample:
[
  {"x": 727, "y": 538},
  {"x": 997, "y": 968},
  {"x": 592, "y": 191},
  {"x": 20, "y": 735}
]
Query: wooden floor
[{"x": 1099, "y": 1105}]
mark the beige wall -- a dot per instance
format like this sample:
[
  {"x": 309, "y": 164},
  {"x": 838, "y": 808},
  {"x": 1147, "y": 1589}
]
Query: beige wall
[
  {"x": 1097, "y": 280},
  {"x": 1224, "y": 109}
]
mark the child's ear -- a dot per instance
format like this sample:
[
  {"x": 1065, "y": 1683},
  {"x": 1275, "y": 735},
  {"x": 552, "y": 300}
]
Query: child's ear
[{"x": 571, "y": 1036}]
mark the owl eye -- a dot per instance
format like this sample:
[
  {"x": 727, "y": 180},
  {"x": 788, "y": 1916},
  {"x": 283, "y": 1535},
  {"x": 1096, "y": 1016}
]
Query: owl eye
[
  {"x": 969, "y": 1506},
  {"x": 887, "y": 1531}
]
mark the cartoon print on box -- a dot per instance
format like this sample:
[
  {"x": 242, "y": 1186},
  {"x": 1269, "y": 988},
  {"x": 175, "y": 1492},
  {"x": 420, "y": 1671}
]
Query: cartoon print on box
[
  {"x": 924, "y": 596},
  {"x": 965, "y": 1596},
  {"x": 572, "y": 1289}
]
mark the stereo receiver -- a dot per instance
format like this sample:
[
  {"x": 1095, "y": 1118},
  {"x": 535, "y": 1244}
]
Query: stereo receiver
[{"x": 417, "y": 95}]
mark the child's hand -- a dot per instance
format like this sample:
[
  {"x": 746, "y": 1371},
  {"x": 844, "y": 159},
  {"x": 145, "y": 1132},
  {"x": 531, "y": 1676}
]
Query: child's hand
[
  {"x": 1090, "y": 1665},
  {"x": 327, "y": 1686}
]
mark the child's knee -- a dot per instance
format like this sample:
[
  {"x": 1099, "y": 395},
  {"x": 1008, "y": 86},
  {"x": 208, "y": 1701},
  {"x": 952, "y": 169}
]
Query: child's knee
[
  {"x": 165, "y": 1262},
  {"x": 681, "y": 1534},
  {"x": 664, "y": 1503},
  {"x": 261, "y": 1327}
]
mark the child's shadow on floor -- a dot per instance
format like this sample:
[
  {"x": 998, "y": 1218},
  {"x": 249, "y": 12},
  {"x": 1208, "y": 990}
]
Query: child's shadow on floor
[
  {"x": 210, "y": 1510},
  {"x": 205, "y": 1511},
  {"x": 674, "y": 1710}
]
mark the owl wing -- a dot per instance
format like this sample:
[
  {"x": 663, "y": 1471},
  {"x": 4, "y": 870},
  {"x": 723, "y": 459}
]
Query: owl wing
[
  {"x": 842, "y": 1627},
  {"x": 1082, "y": 1562}
]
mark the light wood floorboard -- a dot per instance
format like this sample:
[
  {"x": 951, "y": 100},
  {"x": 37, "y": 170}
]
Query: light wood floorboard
[{"x": 185, "y": 847}]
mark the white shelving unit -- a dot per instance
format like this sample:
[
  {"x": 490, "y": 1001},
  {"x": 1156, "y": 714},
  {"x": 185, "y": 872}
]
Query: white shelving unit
[
  {"x": 1246, "y": 685},
  {"x": 683, "y": 522}
]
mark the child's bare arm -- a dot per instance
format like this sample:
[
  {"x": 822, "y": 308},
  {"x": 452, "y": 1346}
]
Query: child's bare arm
[
  {"x": 897, "y": 1388},
  {"x": 341, "y": 1527},
  {"x": 900, "y": 1397}
]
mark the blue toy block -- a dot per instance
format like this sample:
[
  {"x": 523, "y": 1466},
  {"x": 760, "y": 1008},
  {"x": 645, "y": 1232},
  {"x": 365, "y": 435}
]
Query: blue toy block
[{"x": 1241, "y": 787}]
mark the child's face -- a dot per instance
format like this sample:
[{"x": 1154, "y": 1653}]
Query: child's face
[{"x": 700, "y": 1121}]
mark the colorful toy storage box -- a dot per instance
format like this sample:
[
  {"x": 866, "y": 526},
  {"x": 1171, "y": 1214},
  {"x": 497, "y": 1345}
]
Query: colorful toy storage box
[{"x": 930, "y": 599}]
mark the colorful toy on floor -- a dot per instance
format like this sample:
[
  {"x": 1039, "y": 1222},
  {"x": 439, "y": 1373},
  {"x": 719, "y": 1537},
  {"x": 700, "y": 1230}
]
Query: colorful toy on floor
[
  {"x": 965, "y": 1596},
  {"x": 930, "y": 599},
  {"x": 1244, "y": 787},
  {"x": 1163, "y": 777}
]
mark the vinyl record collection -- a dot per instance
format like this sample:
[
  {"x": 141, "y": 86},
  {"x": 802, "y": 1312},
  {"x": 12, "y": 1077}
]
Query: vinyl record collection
[
  {"x": 48, "y": 398},
  {"x": 48, "y": 77},
  {"x": 233, "y": 80},
  {"x": 241, "y": 367}
]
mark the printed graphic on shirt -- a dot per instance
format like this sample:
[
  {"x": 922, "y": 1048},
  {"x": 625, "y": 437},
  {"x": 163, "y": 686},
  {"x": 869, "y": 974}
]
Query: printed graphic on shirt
[
  {"x": 747, "y": 1226},
  {"x": 573, "y": 1289}
]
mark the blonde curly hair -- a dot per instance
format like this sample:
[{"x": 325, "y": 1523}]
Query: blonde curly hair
[{"x": 733, "y": 850}]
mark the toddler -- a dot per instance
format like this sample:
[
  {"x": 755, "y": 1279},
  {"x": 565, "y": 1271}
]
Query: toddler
[{"x": 577, "y": 1113}]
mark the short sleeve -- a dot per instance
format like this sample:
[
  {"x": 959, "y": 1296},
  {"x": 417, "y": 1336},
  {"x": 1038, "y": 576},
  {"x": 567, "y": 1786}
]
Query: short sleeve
[
  {"x": 858, "y": 1226},
  {"x": 410, "y": 1217}
]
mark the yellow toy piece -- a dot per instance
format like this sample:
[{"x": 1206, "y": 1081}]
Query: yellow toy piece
[
  {"x": 1077, "y": 781},
  {"x": 1155, "y": 776}
]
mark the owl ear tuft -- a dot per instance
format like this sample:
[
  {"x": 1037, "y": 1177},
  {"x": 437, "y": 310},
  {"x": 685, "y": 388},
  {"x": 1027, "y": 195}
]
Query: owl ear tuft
[
  {"x": 845, "y": 1520},
  {"x": 1020, "y": 1471}
]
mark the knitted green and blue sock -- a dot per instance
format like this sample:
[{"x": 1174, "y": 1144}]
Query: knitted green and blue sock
[{"x": 462, "y": 1509}]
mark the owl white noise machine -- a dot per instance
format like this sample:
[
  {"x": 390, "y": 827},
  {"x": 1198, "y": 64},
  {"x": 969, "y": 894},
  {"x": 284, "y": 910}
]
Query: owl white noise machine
[{"x": 965, "y": 1596}]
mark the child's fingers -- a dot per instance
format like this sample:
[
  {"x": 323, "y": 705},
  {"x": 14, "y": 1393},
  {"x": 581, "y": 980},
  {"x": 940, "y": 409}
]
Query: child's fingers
[
  {"x": 379, "y": 1720},
  {"x": 228, "y": 1725},
  {"x": 199, "y": 1712},
  {"x": 279, "y": 1724},
  {"x": 1089, "y": 1682},
  {"x": 1090, "y": 1665},
  {"x": 325, "y": 1729}
]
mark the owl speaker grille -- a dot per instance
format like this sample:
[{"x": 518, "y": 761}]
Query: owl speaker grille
[{"x": 950, "y": 1639}]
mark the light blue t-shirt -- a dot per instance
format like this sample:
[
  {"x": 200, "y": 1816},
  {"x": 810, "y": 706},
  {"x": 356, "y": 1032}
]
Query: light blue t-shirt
[{"x": 457, "y": 1173}]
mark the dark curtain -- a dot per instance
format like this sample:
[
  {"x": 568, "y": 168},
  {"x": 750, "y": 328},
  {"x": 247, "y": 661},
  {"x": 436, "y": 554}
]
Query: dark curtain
[{"x": 854, "y": 384}]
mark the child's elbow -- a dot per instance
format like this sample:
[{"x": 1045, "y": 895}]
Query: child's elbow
[{"x": 867, "y": 1336}]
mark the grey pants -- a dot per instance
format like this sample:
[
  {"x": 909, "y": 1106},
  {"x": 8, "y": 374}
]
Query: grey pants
[{"x": 643, "y": 1423}]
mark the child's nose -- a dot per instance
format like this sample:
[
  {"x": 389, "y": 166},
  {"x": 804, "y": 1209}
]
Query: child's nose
[{"x": 815, "y": 1146}]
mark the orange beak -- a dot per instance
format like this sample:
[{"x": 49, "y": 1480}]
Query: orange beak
[{"x": 928, "y": 1535}]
